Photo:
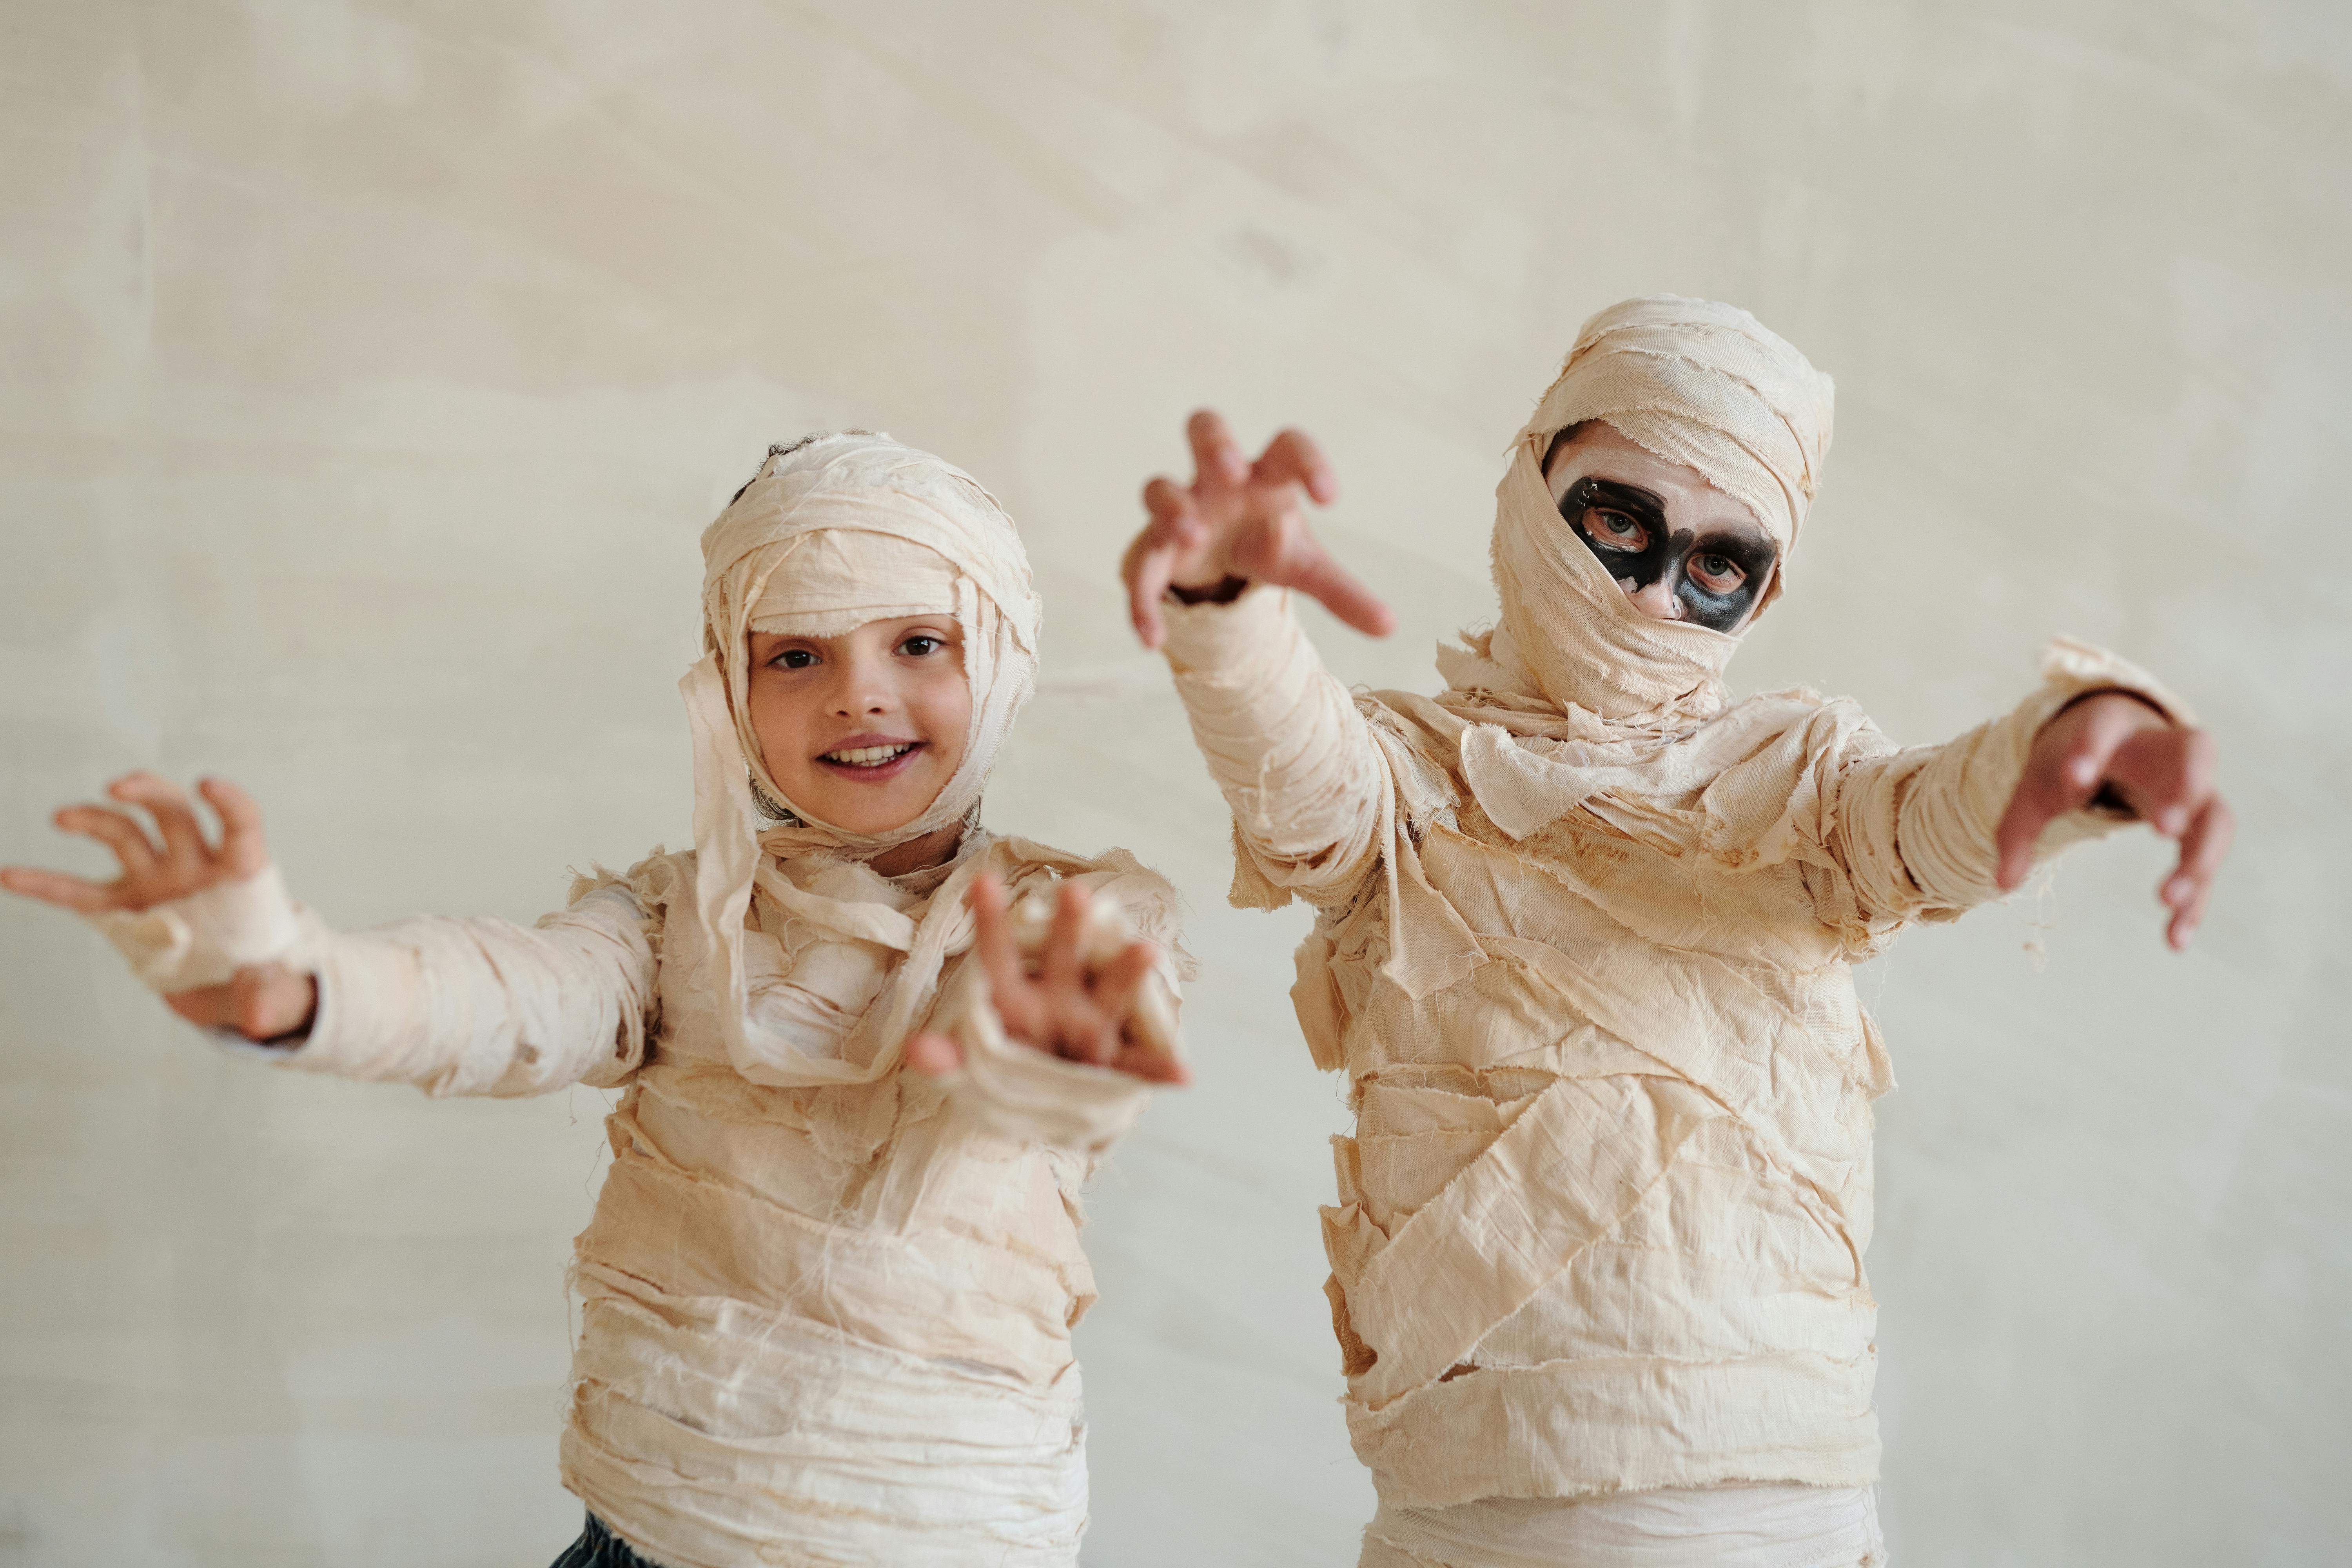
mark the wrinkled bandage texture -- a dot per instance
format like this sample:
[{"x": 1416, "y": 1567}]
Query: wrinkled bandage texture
[
  {"x": 205, "y": 938},
  {"x": 1784, "y": 1526},
  {"x": 1582, "y": 944},
  {"x": 827, "y": 1304}
]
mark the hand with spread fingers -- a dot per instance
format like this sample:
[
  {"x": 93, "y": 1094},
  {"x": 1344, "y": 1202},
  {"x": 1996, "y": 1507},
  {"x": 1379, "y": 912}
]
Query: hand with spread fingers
[
  {"x": 2113, "y": 747},
  {"x": 1057, "y": 1002},
  {"x": 1239, "y": 522},
  {"x": 263, "y": 1003}
]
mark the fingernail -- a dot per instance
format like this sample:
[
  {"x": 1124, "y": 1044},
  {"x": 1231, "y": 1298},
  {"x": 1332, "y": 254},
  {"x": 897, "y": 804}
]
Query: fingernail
[
  {"x": 2083, "y": 770},
  {"x": 2175, "y": 890},
  {"x": 2171, "y": 820}
]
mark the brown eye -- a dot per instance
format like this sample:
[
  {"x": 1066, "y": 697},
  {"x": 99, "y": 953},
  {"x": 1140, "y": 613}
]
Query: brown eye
[
  {"x": 793, "y": 658},
  {"x": 1717, "y": 574},
  {"x": 1614, "y": 530},
  {"x": 921, "y": 644}
]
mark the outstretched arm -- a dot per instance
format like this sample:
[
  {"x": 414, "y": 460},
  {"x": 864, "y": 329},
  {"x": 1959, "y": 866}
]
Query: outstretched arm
[
  {"x": 1297, "y": 763},
  {"x": 1932, "y": 831},
  {"x": 455, "y": 1006}
]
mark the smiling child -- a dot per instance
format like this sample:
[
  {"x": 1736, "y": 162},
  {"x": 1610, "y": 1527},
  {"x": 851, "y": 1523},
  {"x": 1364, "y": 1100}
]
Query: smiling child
[{"x": 827, "y": 1302}]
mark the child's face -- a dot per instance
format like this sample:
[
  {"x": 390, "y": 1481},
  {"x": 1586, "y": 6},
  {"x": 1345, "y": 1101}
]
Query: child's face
[
  {"x": 1680, "y": 549},
  {"x": 863, "y": 731}
]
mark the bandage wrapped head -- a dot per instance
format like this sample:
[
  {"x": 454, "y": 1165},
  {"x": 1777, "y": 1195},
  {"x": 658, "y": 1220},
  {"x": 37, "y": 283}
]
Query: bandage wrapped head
[
  {"x": 831, "y": 533},
  {"x": 1699, "y": 384}
]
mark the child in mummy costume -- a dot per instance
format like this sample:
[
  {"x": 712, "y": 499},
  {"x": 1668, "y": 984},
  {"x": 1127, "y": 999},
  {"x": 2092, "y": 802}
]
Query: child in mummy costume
[
  {"x": 1582, "y": 948},
  {"x": 827, "y": 1302}
]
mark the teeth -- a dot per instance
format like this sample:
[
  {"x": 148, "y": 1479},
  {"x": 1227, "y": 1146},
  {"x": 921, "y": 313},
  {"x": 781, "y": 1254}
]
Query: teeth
[{"x": 869, "y": 756}]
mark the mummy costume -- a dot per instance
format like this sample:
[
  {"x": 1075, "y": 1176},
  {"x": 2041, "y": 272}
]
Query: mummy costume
[
  {"x": 827, "y": 1304},
  {"x": 1582, "y": 947}
]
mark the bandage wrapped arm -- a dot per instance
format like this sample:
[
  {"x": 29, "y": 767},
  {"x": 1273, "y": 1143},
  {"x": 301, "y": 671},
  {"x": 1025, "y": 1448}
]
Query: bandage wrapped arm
[
  {"x": 1913, "y": 830},
  {"x": 1016, "y": 1091},
  {"x": 1296, "y": 760},
  {"x": 454, "y": 1007}
]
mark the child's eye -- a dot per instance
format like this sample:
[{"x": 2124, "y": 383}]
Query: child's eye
[
  {"x": 1614, "y": 530},
  {"x": 1718, "y": 573},
  {"x": 918, "y": 645},
  {"x": 793, "y": 658}
]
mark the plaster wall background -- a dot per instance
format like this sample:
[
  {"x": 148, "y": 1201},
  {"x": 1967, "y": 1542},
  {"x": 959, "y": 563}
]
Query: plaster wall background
[{"x": 368, "y": 369}]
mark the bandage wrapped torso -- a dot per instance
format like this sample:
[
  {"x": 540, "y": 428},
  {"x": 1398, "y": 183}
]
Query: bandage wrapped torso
[
  {"x": 1582, "y": 950},
  {"x": 796, "y": 1301},
  {"x": 825, "y": 1322}
]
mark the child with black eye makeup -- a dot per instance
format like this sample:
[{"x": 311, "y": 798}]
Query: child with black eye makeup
[
  {"x": 1708, "y": 564},
  {"x": 1582, "y": 944}
]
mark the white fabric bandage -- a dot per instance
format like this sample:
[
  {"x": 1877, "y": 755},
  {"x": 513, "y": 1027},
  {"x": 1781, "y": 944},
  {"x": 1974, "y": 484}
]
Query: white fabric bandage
[
  {"x": 205, "y": 938},
  {"x": 1582, "y": 949},
  {"x": 833, "y": 581}
]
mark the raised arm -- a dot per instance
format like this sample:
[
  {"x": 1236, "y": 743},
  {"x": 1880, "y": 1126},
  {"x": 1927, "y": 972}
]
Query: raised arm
[
  {"x": 1931, "y": 831},
  {"x": 454, "y": 1007},
  {"x": 1307, "y": 784}
]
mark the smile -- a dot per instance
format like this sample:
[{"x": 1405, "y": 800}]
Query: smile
[{"x": 871, "y": 762}]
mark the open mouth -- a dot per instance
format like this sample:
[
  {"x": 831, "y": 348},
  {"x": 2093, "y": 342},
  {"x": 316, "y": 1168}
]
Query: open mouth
[{"x": 864, "y": 762}]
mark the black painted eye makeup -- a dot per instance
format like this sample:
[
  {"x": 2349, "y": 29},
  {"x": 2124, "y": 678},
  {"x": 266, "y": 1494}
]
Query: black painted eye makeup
[{"x": 1714, "y": 576}]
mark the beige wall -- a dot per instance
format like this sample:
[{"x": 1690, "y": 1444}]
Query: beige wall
[{"x": 367, "y": 370}]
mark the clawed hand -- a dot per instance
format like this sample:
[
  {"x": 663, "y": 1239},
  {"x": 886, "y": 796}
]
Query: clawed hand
[
  {"x": 1053, "y": 1003},
  {"x": 1242, "y": 519},
  {"x": 185, "y": 862},
  {"x": 2163, "y": 772},
  {"x": 262, "y": 1002}
]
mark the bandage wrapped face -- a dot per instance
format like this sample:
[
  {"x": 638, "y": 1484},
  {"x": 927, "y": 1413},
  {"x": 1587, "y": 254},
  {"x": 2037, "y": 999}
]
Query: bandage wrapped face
[
  {"x": 829, "y": 535},
  {"x": 1698, "y": 383}
]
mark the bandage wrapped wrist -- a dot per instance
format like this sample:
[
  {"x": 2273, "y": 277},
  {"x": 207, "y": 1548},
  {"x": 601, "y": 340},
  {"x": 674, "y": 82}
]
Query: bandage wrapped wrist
[{"x": 205, "y": 938}]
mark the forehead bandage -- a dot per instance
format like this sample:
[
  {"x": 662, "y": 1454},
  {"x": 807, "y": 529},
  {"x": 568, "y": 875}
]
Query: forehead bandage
[{"x": 835, "y": 579}]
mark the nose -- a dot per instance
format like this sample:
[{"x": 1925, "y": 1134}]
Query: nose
[
  {"x": 862, "y": 688},
  {"x": 1656, "y": 601}
]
